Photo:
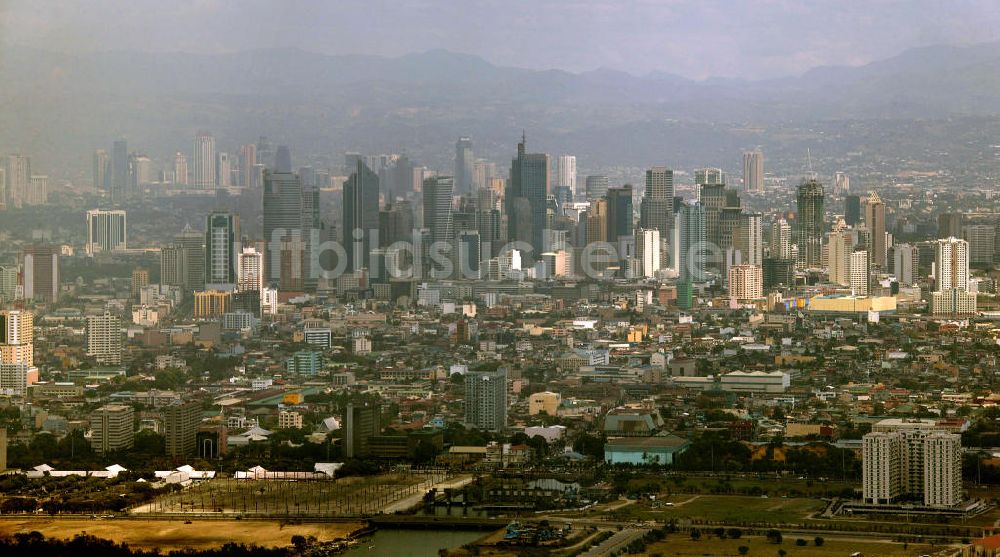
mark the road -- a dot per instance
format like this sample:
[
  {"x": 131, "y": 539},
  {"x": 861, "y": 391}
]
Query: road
[{"x": 615, "y": 543}]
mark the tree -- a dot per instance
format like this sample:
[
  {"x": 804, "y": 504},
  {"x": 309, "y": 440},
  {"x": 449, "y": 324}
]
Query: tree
[
  {"x": 801, "y": 542},
  {"x": 695, "y": 534},
  {"x": 782, "y": 553},
  {"x": 818, "y": 541},
  {"x": 774, "y": 536},
  {"x": 734, "y": 533},
  {"x": 743, "y": 549}
]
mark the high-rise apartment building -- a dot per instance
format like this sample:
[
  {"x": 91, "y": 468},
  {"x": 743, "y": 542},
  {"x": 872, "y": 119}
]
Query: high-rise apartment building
[
  {"x": 104, "y": 338},
  {"x": 204, "y": 171},
  {"x": 223, "y": 170},
  {"x": 107, "y": 231},
  {"x": 486, "y": 399},
  {"x": 112, "y": 428},
  {"x": 809, "y": 224},
  {"x": 951, "y": 264},
  {"x": 911, "y": 459},
  {"x": 753, "y": 171},
  {"x": 858, "y": 273},
  {"x": 781, "y": 240},
  {"x": 250, "y": 270},
  {"x": 905, "y": 262},
  {"x": 17, "y": 337},
  {"x": 181, "y": 169},
  {"x": 180, "y": 428},
  {"x": 748, "y": 238},
  {"x": 119, "y": 170},
  {"x": 841, "y": 183},
  {"x": 647, "y": 250},
  {"x": 746, "y": 282},
  {"x": 982, "y": 243}
]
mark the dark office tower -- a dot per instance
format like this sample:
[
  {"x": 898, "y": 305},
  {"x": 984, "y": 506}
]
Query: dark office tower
[
  {"x": 597, "y": 187},
  {"x": 464, "y": 160},
  {"x": 950, "y": 225},
  {"x": 248, "y": 162},
  {"x": 809, "y": 223},
  {"x": 778, "y": 272},
  {"x": 400, "y": 178},
  {"x": 438, "y": 208},
  {"x": 283, "y": 160},
  {"x": 102, "y": 170},
  {"x": 192, "y": 244},
  {"x": 713, "y": 200},
  {"x": 360, "y": 215},
  {"x": 852, "y": 209},
  {"x": 361, "y": 423},
  {"x": 284, "y": 241},
  {"x": 40, "y": 265},
  {"x": 180, "y": 428},
  {"x": 527, "y": 194},
  {"x": 657, "y": 210},
  {"x": 395, "y": 224},
  {"x": 119, "y": 169},
  {"x": 620, "y": 213},
  {"x": 469, "y": 254},
  {"x": 488, "y": 221},
  {"x": 222, "y": 232},
  {"x": 729, "y": 222}
]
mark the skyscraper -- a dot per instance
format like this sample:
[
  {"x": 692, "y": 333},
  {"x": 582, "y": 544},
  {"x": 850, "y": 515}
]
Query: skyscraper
[
  {"x": 527, "y": 192},
  {"x": 438, "y": 208},
  {"x": 192, "y": 246},
  {"x": 180, "y": 169},
  {"x": 486, "y": 399},
  {"x": 875, "y": 223},
  {"x": 112, "y": 428},
  {"x": 180, "y": 428},
  {"x": 17, "y": 172},
  {"x": 809, "y": 223},
  {"x": 859, "y": 272},
  {"x": 107, "y": 231},
  {"x": 38, "y": 190},
  {"x": 748, "y": 238},
  {"x": 753, "y": 171},
  {"x": 250, "y": 270},
  {"x": 841, "y": 183},
  {"x": 204, "y": 161},
  {"x": 982, "y": 241},
  {"x": 852, "y": 209},
  {"x": 647, "y": 250},
  {"x": 104, "y": 338},
  {"x": 839, "y": 247},
  {"x": 248, "y": 162},
  {"x": 102, "y": 170},
  {"x": 781, "y": 239},
  {"x": 283, "y": 160},
  {"x": 41, "y": 273},
  {"x": 597, "y": 187},
  {"x": 713, "y": 200},
  {"x": 620, "y": 213},
  {"x": 17, "y": 344},
  {"x": 690, "y": 243},
  {"x": 746, "y": 282},
  {"x": 223, "y": 170},
  {"x": 464, "y": 161},
  {"x": 951, "y": 264},
  {"x": 222, "y": 232},
  {"x": 906, "y": 260},
  {"x": 950, "y": 225},
  {"x": 709, "y": 176},
  {"x": 119, "y": 169},
  {"x": 567, "y": 172},
  {"x": 657, "y": 210},
  {"x": 361, "y": 193},
  {"x": 361, "y": 423}
]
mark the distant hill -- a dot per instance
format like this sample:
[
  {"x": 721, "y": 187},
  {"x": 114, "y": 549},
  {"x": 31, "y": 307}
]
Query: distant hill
[{"x": 60, "y": 106}]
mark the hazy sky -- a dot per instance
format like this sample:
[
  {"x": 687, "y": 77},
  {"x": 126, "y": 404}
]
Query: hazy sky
[{"x": 695, "y": 38}]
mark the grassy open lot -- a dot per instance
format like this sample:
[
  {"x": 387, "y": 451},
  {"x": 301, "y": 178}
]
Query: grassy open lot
[
  {"x": 676, "y": 545},
  {"x": 175, "y": 534},
  {"x": 350, "y": 496},
  {"x": 729, "y": 508}
]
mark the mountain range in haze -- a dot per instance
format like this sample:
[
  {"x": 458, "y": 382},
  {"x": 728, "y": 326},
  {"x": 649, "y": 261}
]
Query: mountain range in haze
[{"x": 58, "y": 107}]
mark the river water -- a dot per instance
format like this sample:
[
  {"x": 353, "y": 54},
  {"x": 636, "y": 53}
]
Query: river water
[{"x": 411, "y": 543}]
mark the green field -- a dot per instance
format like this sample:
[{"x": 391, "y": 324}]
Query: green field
[{"x": 676, "y": 545}]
